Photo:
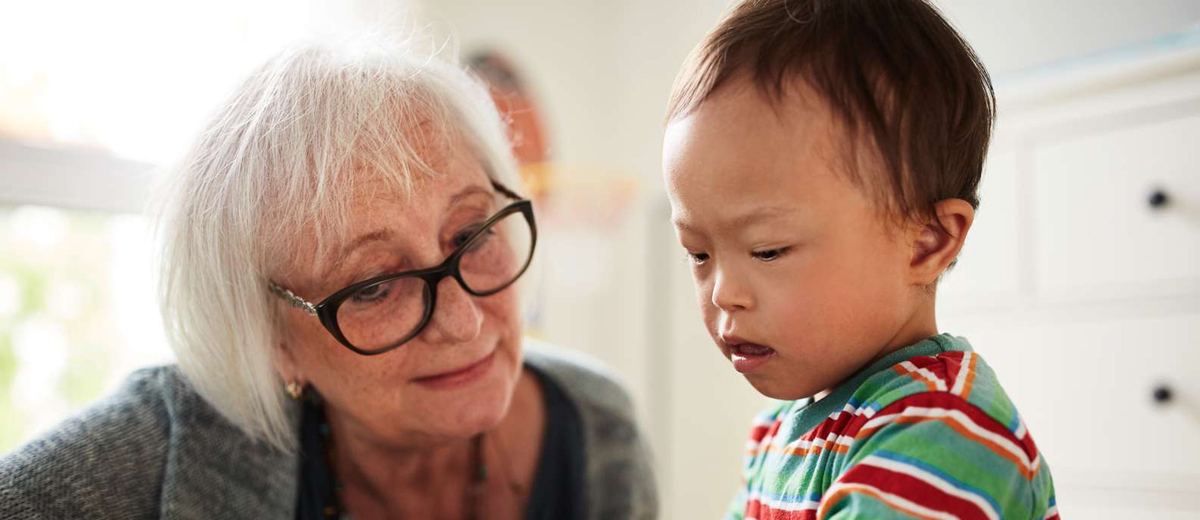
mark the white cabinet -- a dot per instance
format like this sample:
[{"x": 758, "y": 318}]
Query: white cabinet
[
  {"x": 1097, "y": 232},
  {"x": 1084, "y": 291},
  {"x": 1086, "y": 390}
]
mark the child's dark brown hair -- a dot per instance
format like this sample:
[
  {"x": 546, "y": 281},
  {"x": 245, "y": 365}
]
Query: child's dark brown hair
[{"x": 893, "y": 71}]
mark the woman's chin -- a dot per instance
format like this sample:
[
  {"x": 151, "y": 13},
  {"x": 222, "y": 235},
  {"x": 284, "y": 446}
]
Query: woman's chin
[{"x": 475, "y": 410}]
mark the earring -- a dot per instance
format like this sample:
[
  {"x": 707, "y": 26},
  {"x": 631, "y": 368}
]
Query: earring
[{"x": 294, "y": 389}]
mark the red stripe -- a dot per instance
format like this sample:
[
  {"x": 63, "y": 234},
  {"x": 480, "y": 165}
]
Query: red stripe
[
  {"x": 761, "y": 511},
  {"x": 948, "y": 401},
  {"x": 908, "y": 487},
  {"x": 952, "y": 363},
  {"x": 939, "y": 365}
]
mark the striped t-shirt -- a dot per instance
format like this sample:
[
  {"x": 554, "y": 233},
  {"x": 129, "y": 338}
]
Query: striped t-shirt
[{"x": 925, "y": 432}]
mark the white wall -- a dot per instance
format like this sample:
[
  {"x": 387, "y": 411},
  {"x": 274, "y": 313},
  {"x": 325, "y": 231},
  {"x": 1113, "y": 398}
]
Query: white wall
[{"x": 1018, "y": 34}]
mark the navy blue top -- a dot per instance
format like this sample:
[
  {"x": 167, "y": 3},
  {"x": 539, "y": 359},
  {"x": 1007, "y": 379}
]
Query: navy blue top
[{"x": 557, "y": 491}]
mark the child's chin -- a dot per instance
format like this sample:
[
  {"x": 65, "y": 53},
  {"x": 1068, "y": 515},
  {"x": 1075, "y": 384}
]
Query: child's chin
[{"x": 777, "y": 389}]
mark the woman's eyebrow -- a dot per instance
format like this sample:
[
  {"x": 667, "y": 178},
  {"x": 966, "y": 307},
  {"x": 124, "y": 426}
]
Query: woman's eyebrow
[
  {"x": 378, "y": 235},
  {"x": 383, "y": 235},
  {"x": 471, "y": 190}
]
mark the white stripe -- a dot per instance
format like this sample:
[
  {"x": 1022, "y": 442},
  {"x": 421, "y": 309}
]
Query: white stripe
[
  {"x": 903, "y": 502},
  {"x": 783, "y": 505},
  {"x": 1051, "y": 512},
  {"x": 937, "y": 382},
  {"x": 820, "y": 442},
  {"x": 882, "y": 420},
  {"x": 1021, "y": 432},
  {"x": 864, "y": 410},
  {"x": 962, "y": 419},
  {"x": 960, "y": 381},
  {"x": 935, "y": 481}
]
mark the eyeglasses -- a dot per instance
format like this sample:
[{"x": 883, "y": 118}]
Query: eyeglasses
[{"x": 377, "y": 315}]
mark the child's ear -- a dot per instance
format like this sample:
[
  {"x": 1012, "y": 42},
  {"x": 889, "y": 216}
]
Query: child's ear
[{"x": 935, "y": 248}]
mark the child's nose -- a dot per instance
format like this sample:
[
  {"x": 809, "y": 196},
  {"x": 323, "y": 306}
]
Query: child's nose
[{"x": 730, "y": 293}]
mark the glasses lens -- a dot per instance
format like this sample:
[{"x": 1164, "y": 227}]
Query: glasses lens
[
  {"x": 379, "y": 316},
  {"x": 497, "y": 256}
]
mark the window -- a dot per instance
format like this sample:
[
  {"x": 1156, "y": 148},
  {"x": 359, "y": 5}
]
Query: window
[{"x": 77, "y": 312}]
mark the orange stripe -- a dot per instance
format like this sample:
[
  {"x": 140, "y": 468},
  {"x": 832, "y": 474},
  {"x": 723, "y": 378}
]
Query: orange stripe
[
  {"x": 962, "y": 430},
  {"x": 826, "y": 502},
  {"x": 798, "y": 451},
  {"x": 966, "y": 391},
  {"x": 910, "y": 373},
  {"x": 813, "y": 450}
]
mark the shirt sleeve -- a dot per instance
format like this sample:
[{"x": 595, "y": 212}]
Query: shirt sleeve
[
  {"x": 935, "y": 455},
  {"x": 762, "y": 432}
]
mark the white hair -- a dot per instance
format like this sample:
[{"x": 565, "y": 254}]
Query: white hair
[{"x": 284, "y": 152}]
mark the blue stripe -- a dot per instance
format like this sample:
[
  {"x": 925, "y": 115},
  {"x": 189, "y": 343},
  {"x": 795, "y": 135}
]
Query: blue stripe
[
  {"x": 787, "y": 498},
  {"x": 893, "y": 456},
  {"x": 857, "y": 403},
  {"x": 1016, "y": 420}
]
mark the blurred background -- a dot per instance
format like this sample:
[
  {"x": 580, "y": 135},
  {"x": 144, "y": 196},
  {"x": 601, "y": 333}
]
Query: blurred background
[{"x": 1080, "y": 283}]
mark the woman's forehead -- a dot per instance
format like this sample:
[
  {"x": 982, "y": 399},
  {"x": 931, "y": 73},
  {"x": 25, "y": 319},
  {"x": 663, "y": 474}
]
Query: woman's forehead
[
  {"x": 446, "y": 171},
  {"x": 387, "y": 201}
]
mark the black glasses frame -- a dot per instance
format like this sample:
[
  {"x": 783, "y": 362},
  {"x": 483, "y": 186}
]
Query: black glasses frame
[{"x": 326, "y": 310}]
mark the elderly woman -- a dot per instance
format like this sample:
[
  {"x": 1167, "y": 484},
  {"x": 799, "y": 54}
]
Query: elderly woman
[{"x": 342, "y": 251}]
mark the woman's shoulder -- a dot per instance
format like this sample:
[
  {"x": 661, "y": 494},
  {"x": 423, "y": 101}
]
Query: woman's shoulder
[
  {"x": 619, "y": 476},
  {"x": 113, "y": 451},
  {"x": 153, "y": 446},
  {"x": 586, "y": 381}
]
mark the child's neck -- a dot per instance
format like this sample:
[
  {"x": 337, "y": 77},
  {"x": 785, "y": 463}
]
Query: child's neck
[{"x": 920, "y": 326}]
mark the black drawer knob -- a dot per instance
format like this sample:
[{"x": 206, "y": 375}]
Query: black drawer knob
[
  {"x": 1159, "y": 199},
  {"x": 1162, "y": 394}
]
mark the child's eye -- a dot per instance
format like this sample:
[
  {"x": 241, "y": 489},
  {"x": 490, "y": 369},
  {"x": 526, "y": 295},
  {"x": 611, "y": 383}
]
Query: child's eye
[
  {"x": 697, "y": 258},
  {"x": 770, "y": 255}
]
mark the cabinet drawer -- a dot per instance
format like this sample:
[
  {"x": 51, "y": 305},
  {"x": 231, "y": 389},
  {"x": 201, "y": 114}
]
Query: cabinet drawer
[
  {"x": 1086, "y": 392},
  {"x": 1096, "y": 229}
]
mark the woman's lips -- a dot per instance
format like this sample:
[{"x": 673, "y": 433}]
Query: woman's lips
[
  {"x": 460, "y": 377},
  {"x": 748, "y": 357}
]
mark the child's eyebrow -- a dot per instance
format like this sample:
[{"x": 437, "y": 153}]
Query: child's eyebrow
[
  {"x": 756, "y": 216},
  {"x": 759, "y": 215}
]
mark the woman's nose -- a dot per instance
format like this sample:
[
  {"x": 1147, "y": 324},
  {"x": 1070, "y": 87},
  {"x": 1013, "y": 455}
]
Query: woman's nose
[{"x": 456, "y": 318}]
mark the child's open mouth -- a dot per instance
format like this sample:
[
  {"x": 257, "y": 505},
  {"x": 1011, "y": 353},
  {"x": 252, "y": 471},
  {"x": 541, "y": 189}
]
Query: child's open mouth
[{"x": 748, "y": 357}]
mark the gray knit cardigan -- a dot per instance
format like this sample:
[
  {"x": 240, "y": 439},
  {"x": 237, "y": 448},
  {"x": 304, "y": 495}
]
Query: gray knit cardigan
[{"x": 156, "y": 449}]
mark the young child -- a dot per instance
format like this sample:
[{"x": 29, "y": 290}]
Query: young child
[{"x": 822, "y": 159}]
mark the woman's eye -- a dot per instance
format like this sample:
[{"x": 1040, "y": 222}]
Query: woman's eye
[
  {"x": 697, "y": 258},
  {"x": 373, "y": 293},
  {"x": 769, "y": 255},
  {"x": 463, "y": 236},
  {"x": 459, "y": 239}
]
